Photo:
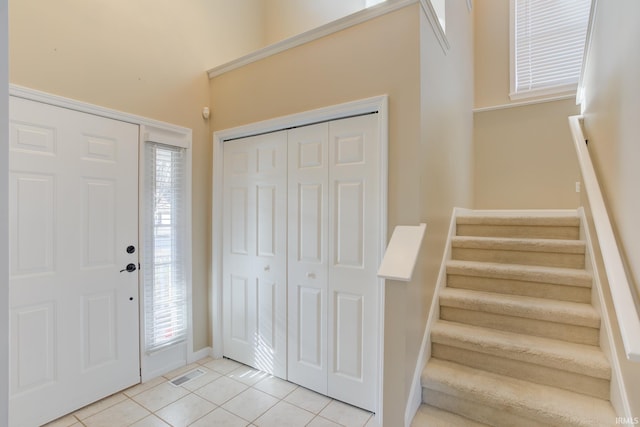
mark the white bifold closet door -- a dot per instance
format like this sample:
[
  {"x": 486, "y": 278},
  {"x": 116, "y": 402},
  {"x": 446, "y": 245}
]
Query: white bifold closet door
[
  {"x": 301, "y": 246},
  {"x": 334, "y": 233},
  {"x": 254, "y": 252}
]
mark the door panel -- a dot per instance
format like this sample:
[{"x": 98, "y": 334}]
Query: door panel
[
  {"x": 308, "y": 262},
  {"x": 36, "y": 351},
  {"x": 73, "y": 212},
  {"x": 99, "y": 327},
  {"x": 349, "y": 224},
  {"x": 33, "y": 245},
  {"x": 354, "y": 252},
  {"x": 254, "y": 251},
  {"x": 98, "y": 223},
  {"x": 348, "y": 336}
]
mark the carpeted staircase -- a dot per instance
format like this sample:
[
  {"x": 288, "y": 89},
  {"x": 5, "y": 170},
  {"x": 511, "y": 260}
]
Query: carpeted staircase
[{"x": 517, "y": 342}]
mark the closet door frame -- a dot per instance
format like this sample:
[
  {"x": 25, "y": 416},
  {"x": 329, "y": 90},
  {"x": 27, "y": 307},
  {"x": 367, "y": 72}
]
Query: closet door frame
[{"x": 379, "y": 105}]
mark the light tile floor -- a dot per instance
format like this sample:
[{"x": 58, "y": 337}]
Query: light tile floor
[{"x": 229, "y": 394}]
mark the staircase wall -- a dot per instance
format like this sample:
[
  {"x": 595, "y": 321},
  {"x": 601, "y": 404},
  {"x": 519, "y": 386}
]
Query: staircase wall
[
  {"x": 524, "y": 157},
  {"x": 611, "y": 108},
  {"x": 626, "y": 378}
]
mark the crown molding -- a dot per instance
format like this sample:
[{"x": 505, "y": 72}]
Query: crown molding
[{"x": 314, "y": 34}]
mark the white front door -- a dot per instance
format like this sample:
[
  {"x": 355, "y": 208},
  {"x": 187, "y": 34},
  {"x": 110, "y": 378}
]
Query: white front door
[
  {"x": 255, "y": 251},
  {"x": 73, "y": 304}
]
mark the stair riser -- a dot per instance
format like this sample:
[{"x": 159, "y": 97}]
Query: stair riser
[
  {"x": 539, "y": 374},
  {"x": 504, "y": 305},
  {"x": 546, "y": 259},
  {"x": 520, "y": 287},
  {"x": 475, "y": 411},
  {"x": 519, "y": 231},
  {"x": 541, "y": 328},
  {"x": 431, "y": 416}
]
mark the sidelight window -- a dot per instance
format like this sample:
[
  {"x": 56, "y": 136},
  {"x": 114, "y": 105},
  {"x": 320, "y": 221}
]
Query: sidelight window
[{"x": 163, "y": 267}]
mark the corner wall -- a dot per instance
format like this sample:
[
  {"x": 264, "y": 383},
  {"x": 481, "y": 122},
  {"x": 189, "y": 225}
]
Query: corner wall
[
  {"x": 142, "y": 57},
  {"x": 446, "y": 167},
  {"x": 524, "y": 154}
]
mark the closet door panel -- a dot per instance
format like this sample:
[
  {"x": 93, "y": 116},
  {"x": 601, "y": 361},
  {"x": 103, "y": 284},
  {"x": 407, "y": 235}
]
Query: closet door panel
[
  {"x": 354, "y": 253},
  {"x": 308, "y": 266},
  {"x": 254, "y": 251}
]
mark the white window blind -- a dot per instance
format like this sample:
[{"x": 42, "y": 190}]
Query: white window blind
[
  {"x": 163, "y": 265},
  {"x": 548, "y": 38}
]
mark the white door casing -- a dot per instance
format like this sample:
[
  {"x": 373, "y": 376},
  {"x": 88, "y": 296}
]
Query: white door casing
[
  {"x": 73, "y": 213},
  {"x": 254, "y": 253}
]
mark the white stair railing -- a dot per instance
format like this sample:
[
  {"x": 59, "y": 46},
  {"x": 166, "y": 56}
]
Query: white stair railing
[{"x": 621, "y": 291}]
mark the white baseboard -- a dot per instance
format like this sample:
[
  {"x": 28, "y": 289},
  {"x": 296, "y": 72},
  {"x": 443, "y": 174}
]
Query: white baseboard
[{"x": 194, "y": 356}]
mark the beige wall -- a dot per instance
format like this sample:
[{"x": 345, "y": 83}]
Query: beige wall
[
  {"x": 524, "y": 155},
  {"x": 287, "y": 18},
  {"x": 491, "y": 45},
  {"x": 142, "y": 57},
  {"x": 611, "y": 110},
  {"x": 430, "y": 129},
  {"x": 525, "y": 158}
]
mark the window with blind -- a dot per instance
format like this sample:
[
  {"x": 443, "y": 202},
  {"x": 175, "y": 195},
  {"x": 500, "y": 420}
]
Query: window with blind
[
  {"x": 163, "y": 266},
  {"x": 547, "y": 46}
]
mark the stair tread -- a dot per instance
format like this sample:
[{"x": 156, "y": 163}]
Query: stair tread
[
  {"x": 526, "y": 220},
  {"x": 531, "y": 273},
  {"x": 571, "y": 357},
  {"x": 519, "y": 244},
  {"x": 540, "y": 402},
  {"x": 572, "y": 313},
  {"x": 430, "y": 416}
]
